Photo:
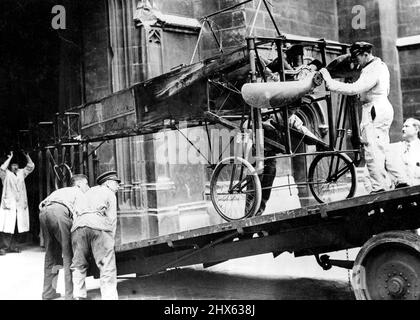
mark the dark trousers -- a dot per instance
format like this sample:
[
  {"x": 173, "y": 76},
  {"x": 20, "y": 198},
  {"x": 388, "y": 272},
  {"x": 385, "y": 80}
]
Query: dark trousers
[
  {"x": 267, "y": 179},
  {"x": 8, "y": 240},
  {"x": 55, "y": 226},
  {"x": 269, "y": 173}
]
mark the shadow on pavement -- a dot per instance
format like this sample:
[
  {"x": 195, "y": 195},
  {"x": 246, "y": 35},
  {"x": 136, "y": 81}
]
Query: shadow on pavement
[{"x": 192, "y": 284}]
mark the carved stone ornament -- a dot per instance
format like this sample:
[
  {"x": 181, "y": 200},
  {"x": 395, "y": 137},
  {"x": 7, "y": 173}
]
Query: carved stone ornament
[
  {"x": 154, "y": 35},
  {"x": 145, "y": 14}
]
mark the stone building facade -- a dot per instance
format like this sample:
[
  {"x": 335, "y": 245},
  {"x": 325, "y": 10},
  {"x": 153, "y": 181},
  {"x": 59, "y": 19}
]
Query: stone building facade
[
  {"x": 409, "y": 54},
  {"x": 111, "y": 45},
  {"x": 388, "y": 24}
]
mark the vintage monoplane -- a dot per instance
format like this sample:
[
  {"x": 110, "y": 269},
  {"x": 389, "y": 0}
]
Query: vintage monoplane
[{"x": 260, "y": 98}]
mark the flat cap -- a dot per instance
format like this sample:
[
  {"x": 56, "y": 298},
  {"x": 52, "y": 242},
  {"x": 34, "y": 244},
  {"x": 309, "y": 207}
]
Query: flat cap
[
  {"x": 360, "y": 47},
  {"x": 295, "y": 50},
  {"x": 318, "y": 64},
  {"x": 109, "y": 175}
]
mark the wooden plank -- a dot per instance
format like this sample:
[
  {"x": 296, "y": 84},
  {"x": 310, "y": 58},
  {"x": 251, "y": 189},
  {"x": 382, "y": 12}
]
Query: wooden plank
[
  {"x": 63, "y": 155},
  {"x": 219, "y": 228},
  {"x": 72, "y": 159},
  {"x": 314, "y": 237},
  {"x": 304, "y": 238},
  {"x": 81, "y": 166},
  {"x": 179, "y": 95},
  {"x": 344, "y": 207},
  {"x": 374, "y": 200},
  {"x": 90, "y": 168},
  {"x": 188, "y": 104},
  {"x": 124, "y": 125},
  {"x": 168, "y": 84},
  {"x": 56, "y": 159},
  {"x": 41, "y": 176},
  {"x": 48, "y": 170}
]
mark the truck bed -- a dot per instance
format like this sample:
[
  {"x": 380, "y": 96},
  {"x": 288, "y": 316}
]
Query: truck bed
[{"x": 305, "y": 231}]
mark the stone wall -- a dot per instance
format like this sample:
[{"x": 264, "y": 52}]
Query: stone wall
[
  {"x": 300, "y": 17},
  {"x": 408, "y": 18},
  {"x": 71, "y": 91},
  {"x": 410, "y": 81},
  {"x": 409, "y": 25},
  {"x": 96, "y": 53},
  {"x": 183, "y": 8},
  {"x": 316, "y": 19}
]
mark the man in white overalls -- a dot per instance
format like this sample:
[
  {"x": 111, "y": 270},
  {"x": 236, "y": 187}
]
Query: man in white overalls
[{"x": 377, "y": 115}]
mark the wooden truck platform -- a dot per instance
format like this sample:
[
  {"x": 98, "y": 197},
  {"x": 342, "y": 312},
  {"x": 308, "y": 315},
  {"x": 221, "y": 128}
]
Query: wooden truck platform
[{"x": 305, "y": 231}]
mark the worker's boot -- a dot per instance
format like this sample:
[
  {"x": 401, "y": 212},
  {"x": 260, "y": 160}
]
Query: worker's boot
[
  {"x": 11, "y": 248},
  {"x": 377, "y": 191},
  {"x": 402, "y": 185},
  {"x": 54, "y": 296}
]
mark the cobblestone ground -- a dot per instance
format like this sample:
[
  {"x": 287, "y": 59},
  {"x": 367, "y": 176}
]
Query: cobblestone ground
[{"x": 260, "y": 278}]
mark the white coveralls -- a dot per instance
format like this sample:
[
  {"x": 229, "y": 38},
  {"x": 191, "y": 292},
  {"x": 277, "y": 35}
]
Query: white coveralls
[
  {"x": 373, "y": 87},
  {"x": 411, "y": 158},
  {"x": 409, "y": 154}
]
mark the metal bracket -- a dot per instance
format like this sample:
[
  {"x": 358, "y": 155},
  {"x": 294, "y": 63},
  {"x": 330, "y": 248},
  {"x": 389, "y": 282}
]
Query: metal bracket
[
  {"x": 323, "y": 211},
  {"x": 240, "y": 230},
  {"x": 326, "y": 263},
  {"x": 190, "y": 254}
]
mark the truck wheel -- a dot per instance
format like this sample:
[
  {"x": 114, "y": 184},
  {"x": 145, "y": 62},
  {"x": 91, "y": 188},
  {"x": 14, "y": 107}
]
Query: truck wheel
[{"x": 388, "y": 268}]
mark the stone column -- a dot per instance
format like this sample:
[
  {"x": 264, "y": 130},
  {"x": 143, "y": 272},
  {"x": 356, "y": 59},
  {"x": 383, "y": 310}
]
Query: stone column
[
  {"x": 126, "y": 69},
  {"x": 157, "y": 185}
]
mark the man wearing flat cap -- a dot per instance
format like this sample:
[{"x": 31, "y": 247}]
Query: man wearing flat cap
[
  {"x": 93, "y": 232},
  {"x": 373, "y": 86}
]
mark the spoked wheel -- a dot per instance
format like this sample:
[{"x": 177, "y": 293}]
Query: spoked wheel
[
  {"x": 391, "y": 273},
  {"x": 332, "y": 177},
  {"x": 235, "y": 189}
]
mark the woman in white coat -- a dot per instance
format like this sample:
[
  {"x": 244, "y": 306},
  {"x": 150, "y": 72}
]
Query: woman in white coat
[{"x": 14, "y": 213}]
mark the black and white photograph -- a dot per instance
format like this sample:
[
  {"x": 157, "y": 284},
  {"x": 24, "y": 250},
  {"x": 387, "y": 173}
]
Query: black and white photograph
[{"x": 221, "y": 151}]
